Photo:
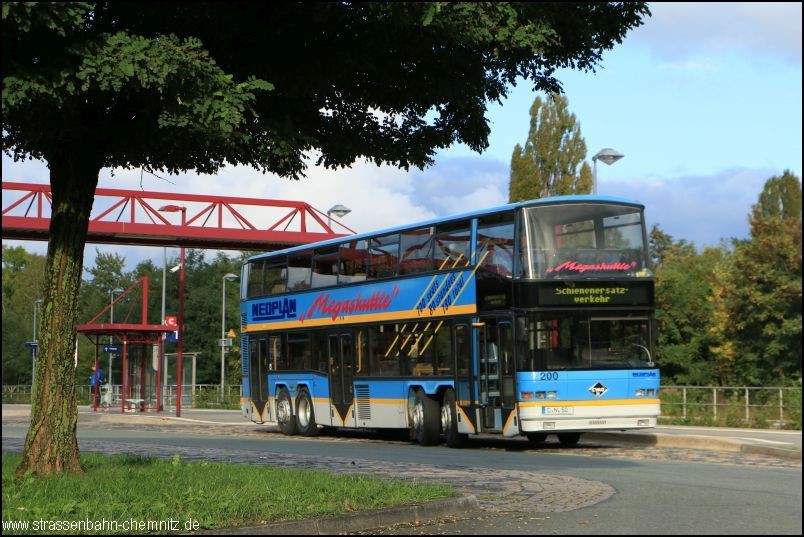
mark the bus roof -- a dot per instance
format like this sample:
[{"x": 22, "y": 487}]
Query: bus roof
[{"x": 472, "y": 214}]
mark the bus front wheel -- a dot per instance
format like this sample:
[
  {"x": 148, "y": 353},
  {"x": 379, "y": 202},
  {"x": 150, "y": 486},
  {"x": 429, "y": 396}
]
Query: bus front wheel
[
  {"x": 426, "y": 420},
  {"x": 284, "y": 413},
  {"x": 569, "y": 439},
  {"x": 536, "y": 439}
]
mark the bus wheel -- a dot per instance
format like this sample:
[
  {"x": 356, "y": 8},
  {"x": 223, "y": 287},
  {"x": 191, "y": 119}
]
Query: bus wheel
[
  {"x": 569, "y": 439},
  {"x": 305, "y": 414},
  {"x": 284, "y": 413},
  {"x": 536, "y": 438},
  {"x": 449, "y": 421},
  {"x": 426, "y": 422}
]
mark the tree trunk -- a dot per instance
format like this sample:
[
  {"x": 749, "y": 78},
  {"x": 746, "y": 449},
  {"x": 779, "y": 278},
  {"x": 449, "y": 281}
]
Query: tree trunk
[{"x": 51, "y": 446}]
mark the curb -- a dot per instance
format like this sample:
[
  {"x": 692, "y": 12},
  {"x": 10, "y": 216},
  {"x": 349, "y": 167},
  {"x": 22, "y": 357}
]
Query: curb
[
  {"x": 359, "y": 521},
  {"x": 669, "y": 441},
  {"x": 150, "y": 420},
  {"x": 696, "y": 442},
  {"x": 782, "y": 453}
]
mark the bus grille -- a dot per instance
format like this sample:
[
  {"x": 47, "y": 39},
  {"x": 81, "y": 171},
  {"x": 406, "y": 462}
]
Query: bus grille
[
  {"x": 363, "y": 401},
  {"x": 244, "y": 355}
]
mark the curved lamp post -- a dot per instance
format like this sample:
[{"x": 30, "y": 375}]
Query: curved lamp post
[
  {"x": 338, "y": 210},
  {"x": 230, "y": 277},
  {"x": 179, "y": 351},
  {"x": 609, "y": 156}
]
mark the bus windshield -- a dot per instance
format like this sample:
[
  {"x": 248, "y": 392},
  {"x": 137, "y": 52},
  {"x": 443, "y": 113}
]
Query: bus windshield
[
  {"x": 584, "y": 240},
  {"x": 575, "y": 341}
]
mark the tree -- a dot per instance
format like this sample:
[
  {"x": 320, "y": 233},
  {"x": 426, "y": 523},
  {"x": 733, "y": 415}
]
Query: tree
[
  {"x": 23, "y": 275},
  {"x": 760, "y": 297},
  {"x": 548, "y": 163},
  {"x": 684, "y": 308},
  {"x": 174, "y": 86},
  {"x": 780, "y": 198}
]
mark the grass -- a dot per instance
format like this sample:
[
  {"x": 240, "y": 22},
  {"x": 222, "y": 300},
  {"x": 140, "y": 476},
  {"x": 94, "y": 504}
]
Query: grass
[{"x": 205, "y": 495}]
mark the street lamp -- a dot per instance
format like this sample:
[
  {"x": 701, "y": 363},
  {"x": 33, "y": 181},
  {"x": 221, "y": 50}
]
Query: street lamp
[
  {"x": 229, "y": 277},
  {"x": 339, "y": 211},
  {"x": 112, "y": 293},
  {"x": 608, "y": 156},
  {"x": 35, "y": 343},
  {"x": 179, "y": 364}
]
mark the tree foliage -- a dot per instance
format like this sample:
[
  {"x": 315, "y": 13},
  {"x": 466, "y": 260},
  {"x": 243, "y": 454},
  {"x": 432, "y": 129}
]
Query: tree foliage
[
  {"x": 732, "y": 315},
  {"x": 780, "y": 199},
  {"x": 684, "y": 280},
  {"x": 23, "y": 275},
  {"x": 761, "y": 295},
  {"x": 173, "y": 86},
  {"x": 548, "y": 164}
]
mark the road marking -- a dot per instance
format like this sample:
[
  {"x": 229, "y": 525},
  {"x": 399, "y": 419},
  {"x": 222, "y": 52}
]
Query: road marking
[{"x": 760, "y": 440}]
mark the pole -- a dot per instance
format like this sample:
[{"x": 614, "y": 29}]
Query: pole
[
  {"x": 162, "y": 362},
  {"x": 594, "y": 176},
  {"x": 181, "y": 323},
  {"x": 111, "y": 321},
  {"x": 223, "y": 334}
]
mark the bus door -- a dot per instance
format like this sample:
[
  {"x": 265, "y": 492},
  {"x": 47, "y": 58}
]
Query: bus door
[
  {"x": 258, "y": 369},
  {"x": 341, "y": 375},
  {"x": 496, "y": 371},
  {"x": 462, "y": 345}
]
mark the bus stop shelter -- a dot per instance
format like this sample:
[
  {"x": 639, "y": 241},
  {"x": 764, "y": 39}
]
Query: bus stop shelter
[{"x": 136, "y": 343}]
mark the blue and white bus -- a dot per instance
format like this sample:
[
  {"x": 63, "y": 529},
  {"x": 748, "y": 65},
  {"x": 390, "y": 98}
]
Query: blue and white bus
[{"x": 533, "y": 318}]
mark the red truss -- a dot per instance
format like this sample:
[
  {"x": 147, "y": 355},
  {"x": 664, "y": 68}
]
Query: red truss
[{"x": 133, "y": 217}]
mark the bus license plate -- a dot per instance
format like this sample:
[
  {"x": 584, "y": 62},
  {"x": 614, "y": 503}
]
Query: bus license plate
[{"x": 558, "y": 410}]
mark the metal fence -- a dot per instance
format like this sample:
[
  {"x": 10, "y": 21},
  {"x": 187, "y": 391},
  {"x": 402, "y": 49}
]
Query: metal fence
[
  {"x": 693, "y": 405},
  {"x": 193, "y": 395},
  {"x": 732, "y": 406}
]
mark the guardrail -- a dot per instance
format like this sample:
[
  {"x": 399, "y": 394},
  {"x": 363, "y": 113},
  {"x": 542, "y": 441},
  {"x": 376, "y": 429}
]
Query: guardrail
[{"x": 744, "y": 406}]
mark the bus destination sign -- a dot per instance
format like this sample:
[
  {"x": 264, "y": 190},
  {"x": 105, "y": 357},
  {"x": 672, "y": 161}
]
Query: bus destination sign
[{"x": 590, "y": 295}]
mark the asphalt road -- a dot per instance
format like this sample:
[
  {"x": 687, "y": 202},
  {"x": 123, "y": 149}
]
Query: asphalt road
[{"x": 600, "y": 487}]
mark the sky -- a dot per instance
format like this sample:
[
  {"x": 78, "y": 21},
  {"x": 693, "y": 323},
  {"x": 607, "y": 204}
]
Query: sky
[{"x": 704, "y": 100}]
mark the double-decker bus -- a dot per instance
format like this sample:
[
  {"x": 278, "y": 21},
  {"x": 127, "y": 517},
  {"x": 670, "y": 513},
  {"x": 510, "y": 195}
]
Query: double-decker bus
[{"x": 533, "y": 318}]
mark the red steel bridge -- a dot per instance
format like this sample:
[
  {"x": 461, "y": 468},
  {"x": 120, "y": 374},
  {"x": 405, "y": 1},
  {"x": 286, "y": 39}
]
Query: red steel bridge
[{"x": 167, "y": 219}]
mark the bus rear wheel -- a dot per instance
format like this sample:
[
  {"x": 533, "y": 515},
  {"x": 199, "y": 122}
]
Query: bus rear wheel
[
  {"x": 569, "y": 439},
  {"x": 449, "y": 421},
  {"x": 284, "y": 413},
  {"x": 426, "y": 420},
  {"x": 305, "y": 414}
]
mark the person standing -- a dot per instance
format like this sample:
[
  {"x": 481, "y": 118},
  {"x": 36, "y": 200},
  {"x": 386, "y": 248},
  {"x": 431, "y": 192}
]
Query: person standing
[{"x": 96, "y": 380}]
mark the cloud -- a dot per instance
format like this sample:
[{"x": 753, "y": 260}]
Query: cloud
[
  {"x": 699, "y": 209},
  {"x": 703, "y": 209},
  {"x": 678, "y": 30}
]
